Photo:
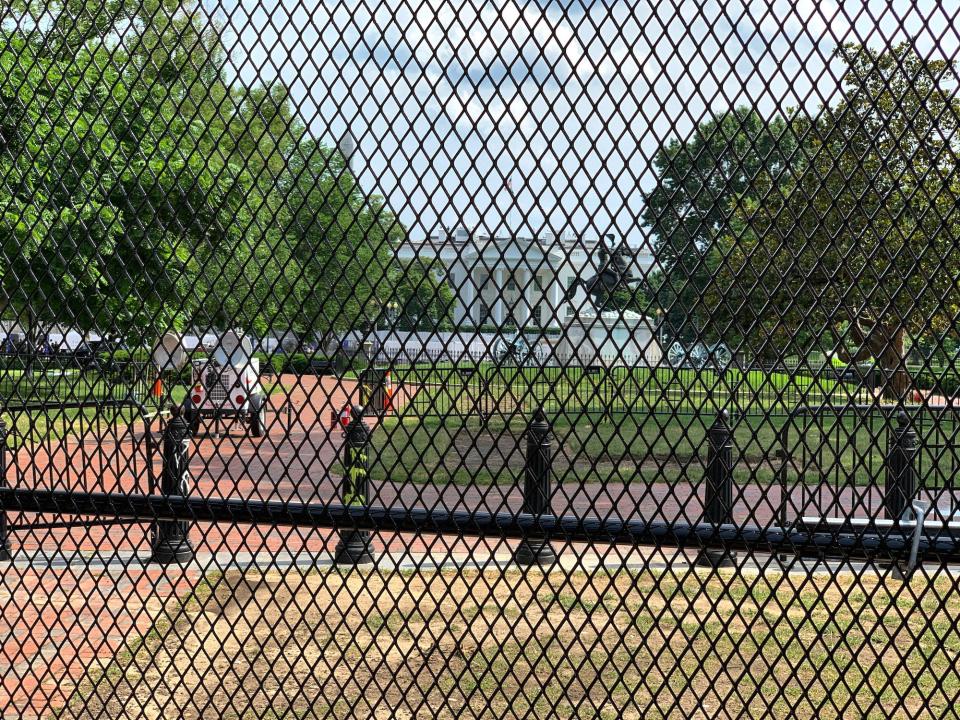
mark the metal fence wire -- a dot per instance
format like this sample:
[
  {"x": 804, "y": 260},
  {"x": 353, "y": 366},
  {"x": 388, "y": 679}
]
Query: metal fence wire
[{"x": 499, "y": 358}]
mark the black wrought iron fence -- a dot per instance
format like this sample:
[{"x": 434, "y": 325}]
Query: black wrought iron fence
[
  {"x": 75, "y": 381},
  {"x": 857, "y": 461},
  {"x": 484, "y": 388}
]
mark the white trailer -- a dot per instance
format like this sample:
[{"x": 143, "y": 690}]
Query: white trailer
[{"x": 226, "y": 386}]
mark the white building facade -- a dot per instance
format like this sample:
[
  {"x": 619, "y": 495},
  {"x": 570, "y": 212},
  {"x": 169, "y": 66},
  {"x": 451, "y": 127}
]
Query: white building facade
[{"x": 515, "y": 281}]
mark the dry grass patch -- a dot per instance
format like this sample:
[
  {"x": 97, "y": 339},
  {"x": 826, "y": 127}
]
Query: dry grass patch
[{"x": 500, "y": 644}]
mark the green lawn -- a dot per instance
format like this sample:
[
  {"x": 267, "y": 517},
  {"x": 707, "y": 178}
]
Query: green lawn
[
  {"x": 50, "y": 386},
  {"x": 636, "y": 424},
  {"x": 54, "y": 423},
  {"x": 654, "y": 447},
  {"x": 443, "y": 389}
]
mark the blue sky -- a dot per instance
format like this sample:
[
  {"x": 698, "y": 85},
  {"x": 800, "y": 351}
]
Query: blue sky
[{"x": 569, "y": 99}]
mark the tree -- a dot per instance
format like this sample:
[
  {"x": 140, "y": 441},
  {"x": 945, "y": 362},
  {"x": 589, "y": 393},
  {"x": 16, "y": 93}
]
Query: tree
[
  {"x": 340, "y": 244},
  {"x": 700, "y": 180},
  {"x": 424, "y": 300},
  {"x": 246, "y": 276},
  {"x": 112, "y": 182},
  {"x": 139, "y": 187},
  {"x": 77, "y": 244},
  {"x": 142, "y": 191},
  {"x": 859, "y": 246}
]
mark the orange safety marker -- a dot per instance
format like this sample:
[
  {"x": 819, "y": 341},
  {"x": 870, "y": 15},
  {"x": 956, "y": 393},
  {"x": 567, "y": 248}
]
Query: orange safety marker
[
  {"x": 388, "y": 395},
  {"x": 157, "y": 390}
]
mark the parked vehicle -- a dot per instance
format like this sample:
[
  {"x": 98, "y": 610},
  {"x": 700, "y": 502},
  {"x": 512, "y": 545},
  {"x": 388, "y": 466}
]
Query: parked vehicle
[{"x": 226, "y": 386}]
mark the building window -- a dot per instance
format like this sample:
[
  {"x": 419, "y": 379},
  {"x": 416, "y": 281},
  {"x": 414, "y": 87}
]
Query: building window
[{"x": 511, "y": 285}]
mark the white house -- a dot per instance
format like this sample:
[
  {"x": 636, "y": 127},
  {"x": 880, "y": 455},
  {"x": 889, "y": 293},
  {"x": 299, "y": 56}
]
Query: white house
[{"x": 513, "y": 280}]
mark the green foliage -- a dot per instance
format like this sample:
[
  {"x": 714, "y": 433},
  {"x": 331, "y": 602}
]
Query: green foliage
[
  {"x": 340, "y": 243},
  {"x": 297, "y": 363},
  {"x": 123, "y": 355},
  {"x": 144, "y": 191},
  {"x": 422, "y": 299},
  {"x": 939, "y": 381},
  {"x": 700, "y": 181},
  {"x": 636, "y": 299},
  {"x": 862, "y": 241},
  {"x": 68, "y": 189}
]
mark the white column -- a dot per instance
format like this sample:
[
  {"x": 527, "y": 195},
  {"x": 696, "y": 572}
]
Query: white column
[
  {"x": 523, "y": 282},
  {"x": 469, "y": 299},
  {"x": 556, "y": 314},
  {"x": 499, "y": 286},
  {"x": 538, "y": 300}
]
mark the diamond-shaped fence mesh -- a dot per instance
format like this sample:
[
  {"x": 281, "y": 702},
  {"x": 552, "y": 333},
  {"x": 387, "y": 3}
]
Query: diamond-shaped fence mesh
[{"x": 508, "y": 358}]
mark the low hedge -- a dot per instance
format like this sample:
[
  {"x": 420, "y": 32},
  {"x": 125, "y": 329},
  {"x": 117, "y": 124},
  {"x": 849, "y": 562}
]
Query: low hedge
[
  {"x": 296, "y": 363},
  {"x": 139, "y": 355}
]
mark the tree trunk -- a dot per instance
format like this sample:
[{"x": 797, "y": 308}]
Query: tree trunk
[{"x": 896, "y": 380}]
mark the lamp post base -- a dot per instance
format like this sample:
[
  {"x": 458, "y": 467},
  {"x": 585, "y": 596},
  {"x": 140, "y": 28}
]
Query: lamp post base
[
  {"x": 535, "y": 551},
  {"x": 168, "y": 551},
  {"x": 716, "y": 559},
  {"x": 355, "y": 548}
]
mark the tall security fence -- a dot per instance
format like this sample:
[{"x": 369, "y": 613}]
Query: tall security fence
[{"x": 492, "y": 359}]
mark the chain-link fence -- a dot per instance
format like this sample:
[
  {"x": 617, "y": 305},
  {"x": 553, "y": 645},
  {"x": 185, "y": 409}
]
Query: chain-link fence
[{"x": 518, "y": 358}]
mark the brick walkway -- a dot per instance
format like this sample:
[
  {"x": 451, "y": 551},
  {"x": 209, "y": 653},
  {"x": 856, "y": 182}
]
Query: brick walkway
[
  {"x": 64, "y": 609},
  {"x": 74, "y": 597}
]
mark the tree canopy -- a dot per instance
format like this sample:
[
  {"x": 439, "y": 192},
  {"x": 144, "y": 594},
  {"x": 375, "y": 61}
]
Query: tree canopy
[
  {"x": 859, "y": 244},
  {"x": 144, "y": 190},
  {"x": 422, "y": 298},
  {"x": 339, "y": 241},
  {"x": 701, "y": 180}
]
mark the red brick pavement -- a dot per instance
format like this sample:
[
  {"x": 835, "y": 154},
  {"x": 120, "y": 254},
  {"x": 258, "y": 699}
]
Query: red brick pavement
[
  {"x": 75, "y": 596},
  {"x": 58, "y": 619},
  {"x": 68, "y": 609}
]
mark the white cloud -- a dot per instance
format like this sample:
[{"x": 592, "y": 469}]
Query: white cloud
[{"x": 435, "y": 88}]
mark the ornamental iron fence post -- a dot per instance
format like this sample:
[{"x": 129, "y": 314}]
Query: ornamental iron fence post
[
  {"x": 171, "y": 541},
  {"x": 355, "y": 546},
  {"x": 718, "y": 490},
  {"x": 536, "y": 549},
  {"x": 5, "y": 553},
  {"x": 901, "y": 477}
]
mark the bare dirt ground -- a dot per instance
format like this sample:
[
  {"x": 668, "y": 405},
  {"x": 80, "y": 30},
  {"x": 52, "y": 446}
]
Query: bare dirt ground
[{"x": 505, "y": 644}]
